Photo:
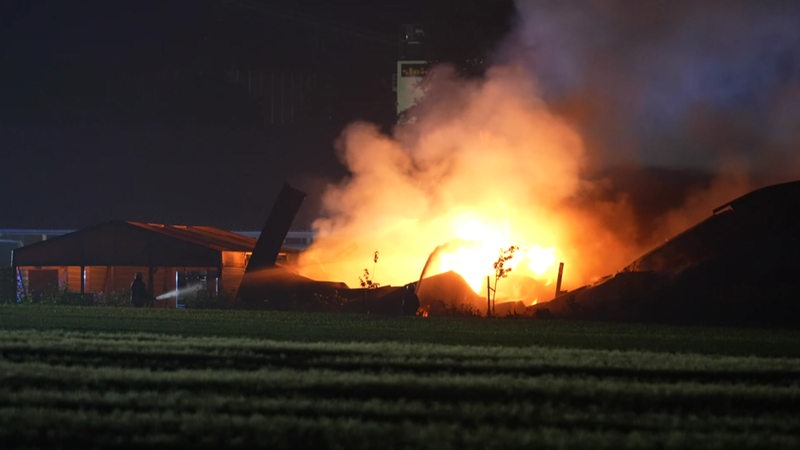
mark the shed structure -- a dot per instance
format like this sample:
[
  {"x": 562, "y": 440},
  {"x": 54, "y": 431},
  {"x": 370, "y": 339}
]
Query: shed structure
[{"x": 103, "y": 259}]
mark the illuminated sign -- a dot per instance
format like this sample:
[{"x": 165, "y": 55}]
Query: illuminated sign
[
  {"x": 410, "y": 90},
  {"x": 416, "y": 69}
]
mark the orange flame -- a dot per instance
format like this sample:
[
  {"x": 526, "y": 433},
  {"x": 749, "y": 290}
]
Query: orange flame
[
  {"x": 478, "y": 243},
  {"x": 486, "y": 166}
]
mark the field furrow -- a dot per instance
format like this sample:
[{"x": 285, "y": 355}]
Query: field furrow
[{"x": 69, "y": 388}]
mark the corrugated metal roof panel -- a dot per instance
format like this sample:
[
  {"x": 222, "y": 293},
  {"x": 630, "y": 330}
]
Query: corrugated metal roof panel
[
  {"x": 135, "y": 243},
  {"x": 206, "y": 236}
]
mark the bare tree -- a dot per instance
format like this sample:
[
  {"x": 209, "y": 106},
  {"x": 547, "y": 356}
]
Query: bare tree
[
  {"x": 367, "y": 280},
  {"x": 501, "y": 270}
]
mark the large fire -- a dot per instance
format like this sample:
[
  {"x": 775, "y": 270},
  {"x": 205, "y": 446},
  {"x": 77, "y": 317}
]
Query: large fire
[
  {"x": 485, "y": 167},
  {"x": 489, "y": 163},
  {"x": 473, "y": 253}
]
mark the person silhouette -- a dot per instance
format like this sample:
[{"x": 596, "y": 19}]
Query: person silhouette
[{"x": 139, "y": 294}]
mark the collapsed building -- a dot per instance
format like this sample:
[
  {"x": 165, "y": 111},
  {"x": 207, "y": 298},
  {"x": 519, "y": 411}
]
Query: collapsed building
[
  {"x": 269, "y": 285},
  {"x": 738, "y": 266}
]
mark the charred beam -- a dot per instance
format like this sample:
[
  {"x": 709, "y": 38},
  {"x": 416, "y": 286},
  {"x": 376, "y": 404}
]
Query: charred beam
[{"x": 275, "y": 229}]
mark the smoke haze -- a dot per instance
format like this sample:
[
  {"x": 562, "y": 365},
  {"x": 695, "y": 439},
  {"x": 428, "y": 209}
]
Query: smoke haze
[
  {"x": 709, "y": 88},
  {"x": 486, "y": 162},
  {"x": 602, "y": 128},
  {"x": 678, "y": 83}
]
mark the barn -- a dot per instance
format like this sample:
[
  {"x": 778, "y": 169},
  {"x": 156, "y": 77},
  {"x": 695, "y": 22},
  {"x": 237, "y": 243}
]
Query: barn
[{"x": 102, "y": 260}]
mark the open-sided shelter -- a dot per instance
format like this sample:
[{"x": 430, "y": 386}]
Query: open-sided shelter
[{"x": 103, "y": 259}]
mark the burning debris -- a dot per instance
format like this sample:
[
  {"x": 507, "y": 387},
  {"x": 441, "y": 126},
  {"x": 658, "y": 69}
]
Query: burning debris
[
  {"x": 551, "y": 166},
  {"x": 452, "y": 190},
  {"x": 738, "y": 266},
  {"x": 455, "y": 188}
]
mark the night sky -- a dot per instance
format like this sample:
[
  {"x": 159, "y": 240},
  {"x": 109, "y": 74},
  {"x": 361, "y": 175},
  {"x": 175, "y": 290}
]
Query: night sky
[
  {"x": 147, "y": 109},
  {"x": 141, "y": 110}
]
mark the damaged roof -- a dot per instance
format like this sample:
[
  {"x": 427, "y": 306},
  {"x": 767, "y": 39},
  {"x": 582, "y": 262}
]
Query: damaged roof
[
  {"x": 738, "y": 266},
  {"x": 128, "y": 243},
  {"x": 210, "y": 237},
  {"x": 754, "y": 219}
]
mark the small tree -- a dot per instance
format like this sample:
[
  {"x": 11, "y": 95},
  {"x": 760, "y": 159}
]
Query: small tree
[
  {"x": 367, "y": 280},
  {"x": 501, "y": 270}
]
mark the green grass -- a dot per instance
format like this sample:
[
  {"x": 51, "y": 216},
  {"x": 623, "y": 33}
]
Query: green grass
[
  {"x": 327, "y": 327},
  {"x": 122, "y": 377}
]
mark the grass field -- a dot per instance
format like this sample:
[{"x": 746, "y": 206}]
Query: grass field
[{"x": 122, "y": 378}]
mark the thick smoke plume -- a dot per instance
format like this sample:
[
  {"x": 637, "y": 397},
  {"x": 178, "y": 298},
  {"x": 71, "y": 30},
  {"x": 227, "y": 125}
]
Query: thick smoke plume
[
  {"x": 486, "y": 162},
  {"x": 704, "y": 85},
  {"x": 602, "y": 129}
]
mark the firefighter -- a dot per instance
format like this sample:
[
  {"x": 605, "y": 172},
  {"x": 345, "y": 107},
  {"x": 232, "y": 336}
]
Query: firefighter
[{"x": 139, "y": 295}]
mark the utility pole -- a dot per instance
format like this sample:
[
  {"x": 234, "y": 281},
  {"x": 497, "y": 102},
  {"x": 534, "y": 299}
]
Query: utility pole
[
  {"x": 558, "y": 281},
  {"x": 488, "y": 297}
]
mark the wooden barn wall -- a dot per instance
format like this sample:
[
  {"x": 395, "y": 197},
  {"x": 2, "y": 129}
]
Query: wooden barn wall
[
  {"x": 123, "y": 276},
  {"x": 72, "y": 280},
  {"x": 117, "y": 279},
  {"x": 97, "y": 279}
]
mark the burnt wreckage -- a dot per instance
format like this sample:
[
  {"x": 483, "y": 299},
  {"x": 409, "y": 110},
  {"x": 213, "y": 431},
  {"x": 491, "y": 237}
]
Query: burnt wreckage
[
  {"x": 741, "y": 265},
  {"x": 266, "y": 284}
]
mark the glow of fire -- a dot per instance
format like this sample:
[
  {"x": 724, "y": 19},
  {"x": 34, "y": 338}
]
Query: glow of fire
[
  {"x": 478, "y": 247},
  {"x": 485, "y": 166},
  {"x": 540, "y": 260}
]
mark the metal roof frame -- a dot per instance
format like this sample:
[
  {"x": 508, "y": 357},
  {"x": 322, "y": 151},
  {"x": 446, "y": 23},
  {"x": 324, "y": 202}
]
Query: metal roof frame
[{"x": 126, "y": 243}]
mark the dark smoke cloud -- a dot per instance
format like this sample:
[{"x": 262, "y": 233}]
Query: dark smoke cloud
[{"x": 671, "y": 83}]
